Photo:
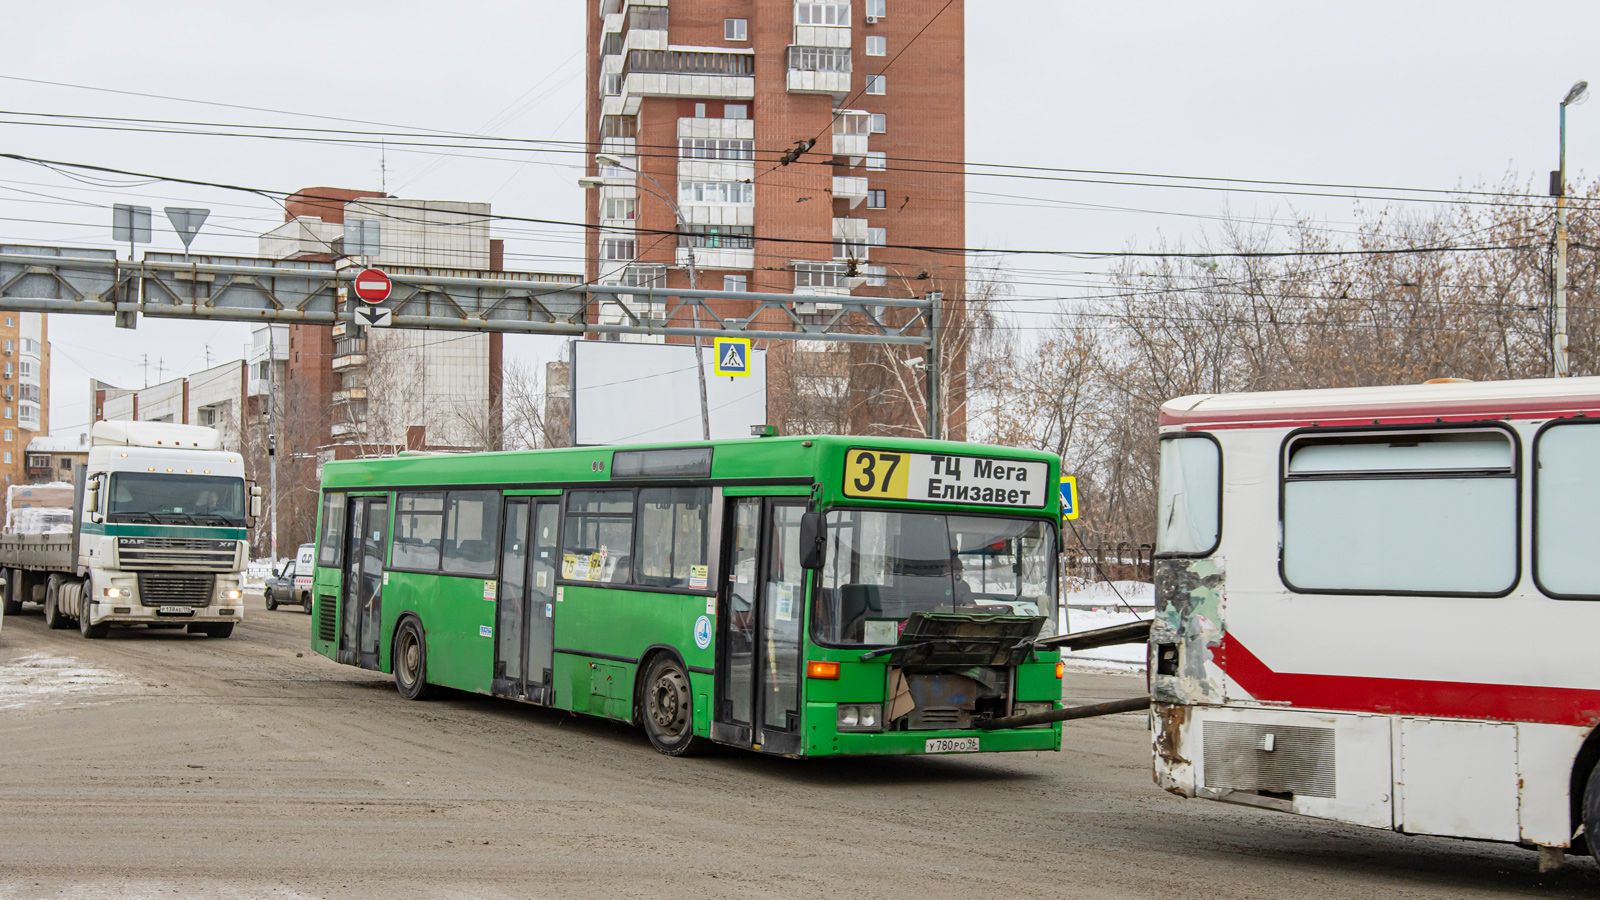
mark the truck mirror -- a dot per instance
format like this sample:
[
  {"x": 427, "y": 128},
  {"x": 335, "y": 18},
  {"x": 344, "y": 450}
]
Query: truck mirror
[
  {"x": 255, "y": 506},
  {"x": 813, "y": 535},
  {"x": 91, "y": 500}
]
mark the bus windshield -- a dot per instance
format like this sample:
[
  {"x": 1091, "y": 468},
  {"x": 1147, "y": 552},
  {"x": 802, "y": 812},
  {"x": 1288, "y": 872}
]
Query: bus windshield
[
  {"x": 176, "y": 499},
  {"x": 883, "y": 566}
]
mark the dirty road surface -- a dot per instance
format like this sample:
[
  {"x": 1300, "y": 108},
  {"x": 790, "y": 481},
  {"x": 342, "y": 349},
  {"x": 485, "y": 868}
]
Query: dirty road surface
[{"x": 154, "y": 763}]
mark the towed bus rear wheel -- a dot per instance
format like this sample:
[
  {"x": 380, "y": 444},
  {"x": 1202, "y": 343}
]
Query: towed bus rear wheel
[
  {"x": 668, "y": 708},
  {"x": 411, "y": 662},
  {"x": 1591, "y": 813}
]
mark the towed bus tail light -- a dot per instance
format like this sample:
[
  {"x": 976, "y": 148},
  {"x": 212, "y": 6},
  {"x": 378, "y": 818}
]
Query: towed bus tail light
[
  {"x": 1061, "y": 670},
  {"x": 828, "y": 671}
]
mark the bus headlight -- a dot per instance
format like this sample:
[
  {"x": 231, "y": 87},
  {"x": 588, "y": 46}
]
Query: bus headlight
[{"x": 860, "y": 717}]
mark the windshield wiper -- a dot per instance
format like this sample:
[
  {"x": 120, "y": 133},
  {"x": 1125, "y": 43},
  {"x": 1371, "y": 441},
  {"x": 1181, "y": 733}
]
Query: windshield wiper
[
  {"x": 192, "y": 519},
  {"x": 130, "y": 517}
]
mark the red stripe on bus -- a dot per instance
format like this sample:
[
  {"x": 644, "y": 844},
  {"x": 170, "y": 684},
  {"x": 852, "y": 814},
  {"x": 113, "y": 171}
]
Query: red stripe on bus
[{"x": 1408, "y": 697}]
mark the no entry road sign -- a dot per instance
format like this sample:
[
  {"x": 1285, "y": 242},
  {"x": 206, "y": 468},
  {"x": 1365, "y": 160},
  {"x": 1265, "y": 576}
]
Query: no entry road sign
[{"x": 373, "y": 285}]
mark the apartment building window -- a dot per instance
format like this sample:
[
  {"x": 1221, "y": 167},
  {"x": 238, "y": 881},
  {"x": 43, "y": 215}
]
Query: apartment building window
[
  {"x": 652, "y": 17},
  {"x": 9, "y": 414},
  {"x": 30, "y": 346},
  {"x": 875, "y": 8},
  {"x": 8, "y": 457},
  {"x": 718, "y": 237},
  {"x": 28, "y": 415},
  {"x": 844, "y": 248},
  {"x": 877, "y": 237},
  {"x": 877, "y": 160},
  {"x": 11, "y": 347},
  {"x": 38, "y": 461},
  {"x": 716, "y": 148},
  {"x": 735, "y": 111},
  {"x": 612, "y": 44},
  {"x": 877, "y": 199},
  {"x": 820, "y": 59},
  {"x": 11, "y": 393},
  {"x": 877, "y": 84},
  {"x": 611, "y": 84},
  {"x": 877, "y": 276},
  {"x": 735, "y": 29},
  {"x": 27, "y": 369},
  {"x": 716, "y": 192},
  {"x": 617, "y": 249},
  {"x": 736, "y": 282},
  {"x": 11, "y": 322},
  {"x": 851, "y": 122},
  {"x": 9, "y": 434},
  {"x": 618, "y": 126},
  {"x": 621, "y": 208},
  {"x": 809, "y": 13},
  {"x": 879, "y": 123},
  {"x": 10, "y": 369},
  {"x": 820, "y": 275},
  {"x": 699, "y": 110},
  {"x": 28, "y": 392},
  {"x": 877, "y": 45}
]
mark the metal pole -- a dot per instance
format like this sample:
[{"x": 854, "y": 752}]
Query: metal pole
[
  {"x": 1559, "y": 337},
  {"x": 272, "y": 441},
  {"x": 935, "y": 301}
]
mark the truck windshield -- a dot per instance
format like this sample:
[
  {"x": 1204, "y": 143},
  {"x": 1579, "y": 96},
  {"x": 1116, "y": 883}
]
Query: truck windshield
[
  {"x": 176, "y": 499},
  {"x": 883, "y": 566}
]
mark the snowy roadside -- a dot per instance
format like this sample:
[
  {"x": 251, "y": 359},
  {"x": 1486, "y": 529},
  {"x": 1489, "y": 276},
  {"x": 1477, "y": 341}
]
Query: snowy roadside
[{"x": 1101, "y": 605}]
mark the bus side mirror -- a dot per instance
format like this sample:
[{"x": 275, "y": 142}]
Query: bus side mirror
[
  {"x": 813, "y": 534},
  {"x": 255, "y": 501}
]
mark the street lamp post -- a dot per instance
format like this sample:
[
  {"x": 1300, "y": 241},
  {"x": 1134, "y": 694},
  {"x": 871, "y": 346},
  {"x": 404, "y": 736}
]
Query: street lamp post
[
  {"x": 606, "y": 159},
  {"x": 1575, "y": 96}
]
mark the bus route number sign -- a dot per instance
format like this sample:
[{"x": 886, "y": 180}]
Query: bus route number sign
[{"x": 945, "y": 478}]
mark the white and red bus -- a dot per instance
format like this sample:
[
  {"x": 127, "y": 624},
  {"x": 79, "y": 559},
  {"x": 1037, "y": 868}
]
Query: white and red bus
[{"x": 1382, "y": 606}]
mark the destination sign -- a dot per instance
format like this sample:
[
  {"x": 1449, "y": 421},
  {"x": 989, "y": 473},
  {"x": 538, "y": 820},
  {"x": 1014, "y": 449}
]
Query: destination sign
[{"x": 946, "y": 478}]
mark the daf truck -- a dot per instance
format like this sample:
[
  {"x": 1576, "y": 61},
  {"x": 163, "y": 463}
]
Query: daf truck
[{"x": 158, "y": 536}]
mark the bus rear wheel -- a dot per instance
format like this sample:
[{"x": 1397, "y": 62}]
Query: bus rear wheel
[
  {"x": 1591, "y": 813},
  {"x": 411, "y": 662},
  {"x": 668, "y": 708}
]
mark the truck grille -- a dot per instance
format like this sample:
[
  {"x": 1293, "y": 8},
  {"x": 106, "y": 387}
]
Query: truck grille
[
  {"x": 186, "y": 554},
  {"x": 175, "y": 588}
]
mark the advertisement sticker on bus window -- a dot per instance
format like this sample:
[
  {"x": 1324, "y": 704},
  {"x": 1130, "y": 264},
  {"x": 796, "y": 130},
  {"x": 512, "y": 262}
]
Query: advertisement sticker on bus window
[
  {"x": 561, "y": 594},
  {"x": 697, "y": 576},
  {"x": 569, "y": 566},
  {"x": 489, "y": 589},
  {"x": 711, "y": 606},
  {"x": 549, "y": 610},
  {"x": 784, "y": 607},
  {"x": 946, "y": 478},
  {"x": 539, "y": 578},
  {"x": 386, "y": 579},
  {"x": 596, "y": 568},
  {"x": 485, "y": 631}
]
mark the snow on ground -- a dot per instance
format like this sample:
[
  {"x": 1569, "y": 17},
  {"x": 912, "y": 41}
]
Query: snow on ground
[
  {"x": 1103, "y": 604},
  {"x": 40, "y": 678}
]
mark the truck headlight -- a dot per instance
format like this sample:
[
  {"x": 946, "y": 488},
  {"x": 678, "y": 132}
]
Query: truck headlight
[
  {"x": 232, "y": 594},
  {"x": 860, "y": 717},
  {"x": 116, "y": 593}
]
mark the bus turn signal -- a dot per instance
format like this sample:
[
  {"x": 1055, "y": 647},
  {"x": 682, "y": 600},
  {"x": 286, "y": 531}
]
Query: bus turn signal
[
  {"x": 1061, "y": 669},
  {"x": 825, "y": 670}
]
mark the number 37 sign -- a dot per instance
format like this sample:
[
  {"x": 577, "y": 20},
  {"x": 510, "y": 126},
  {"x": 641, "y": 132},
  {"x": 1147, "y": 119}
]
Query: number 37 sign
[{"x": 945, "y": 478}]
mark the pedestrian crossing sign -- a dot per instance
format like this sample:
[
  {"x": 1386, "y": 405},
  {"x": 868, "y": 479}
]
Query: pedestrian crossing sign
[
  {"x": 732, "y": 356},
  {"x": 1069, "y": 497}
]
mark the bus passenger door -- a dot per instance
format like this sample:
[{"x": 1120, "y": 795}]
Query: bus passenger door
[
  {"x": 366, "y": 541},
  {"x": 760, "y": 612},
  {"x": 511, "y": 600},
  {"x": 539, "y": 651}
]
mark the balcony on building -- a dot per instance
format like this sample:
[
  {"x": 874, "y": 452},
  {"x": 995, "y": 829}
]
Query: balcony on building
[
  {"x": 710, "y": 72},
  {"x": 819, "y": 70},
  {"x": 349, "y": 395},
  {"x": 850, "y": 187},
  {"x": 349, "y": 352},
  {"x": 851, "y": 130}
]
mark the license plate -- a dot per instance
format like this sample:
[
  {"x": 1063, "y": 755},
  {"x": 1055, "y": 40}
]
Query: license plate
[
  {"x": 951, "y": 745},
  {"x": 174, "y": 611}
]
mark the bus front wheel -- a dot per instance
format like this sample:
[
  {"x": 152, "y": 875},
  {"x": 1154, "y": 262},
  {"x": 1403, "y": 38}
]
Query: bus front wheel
[
  {"x": 411, "y": 662},
  {"x": 668, "y": 708}
]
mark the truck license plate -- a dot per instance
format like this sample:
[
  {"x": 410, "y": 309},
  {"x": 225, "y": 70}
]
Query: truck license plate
[
  {"x": 951, "y": 745},
  {"x": 184, "y": 611}
]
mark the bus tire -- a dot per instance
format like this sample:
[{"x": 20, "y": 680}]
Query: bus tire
[
  {"x": 53, "y": 617},
  {"x": 1591, "y": 813},
  {"x": 666, "y": 705},
  {"x": 411, "y": 661}
]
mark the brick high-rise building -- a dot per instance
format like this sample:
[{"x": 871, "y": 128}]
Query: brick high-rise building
[
  {"x": 703, "y": 98},
  {"x": 24, "y": 391}
]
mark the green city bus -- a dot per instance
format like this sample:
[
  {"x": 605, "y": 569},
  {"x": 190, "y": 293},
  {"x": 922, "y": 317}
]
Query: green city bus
[{"x": 803, "y": 596}]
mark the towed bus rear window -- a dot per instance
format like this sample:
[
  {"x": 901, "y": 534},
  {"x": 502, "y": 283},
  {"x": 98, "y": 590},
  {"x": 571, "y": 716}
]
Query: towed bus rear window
[
  {"x": 1401, "y": 512},
  {"x": 1189, "y": 500}
]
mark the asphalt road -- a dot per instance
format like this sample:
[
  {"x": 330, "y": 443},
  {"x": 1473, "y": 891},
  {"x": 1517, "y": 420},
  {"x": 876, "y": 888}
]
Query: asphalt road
[{"x": 159, "y": 764}]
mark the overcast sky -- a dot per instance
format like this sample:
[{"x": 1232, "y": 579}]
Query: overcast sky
[{"x": 1418, "y": 94}]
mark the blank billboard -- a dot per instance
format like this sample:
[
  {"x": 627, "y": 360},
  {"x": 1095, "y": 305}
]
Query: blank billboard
[{"x": 626, "y": 393}]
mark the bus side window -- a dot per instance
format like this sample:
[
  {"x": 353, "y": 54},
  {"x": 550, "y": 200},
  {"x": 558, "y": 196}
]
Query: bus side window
[
  {"x": 1566, "y": 495},
  {"x": 330, "y": 540},
  {"x": 1189, "y": 500}
]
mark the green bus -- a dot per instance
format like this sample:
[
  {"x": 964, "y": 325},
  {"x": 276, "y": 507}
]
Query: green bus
[{"x": 802, "y": 596}]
